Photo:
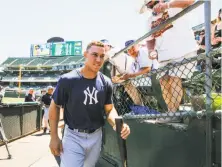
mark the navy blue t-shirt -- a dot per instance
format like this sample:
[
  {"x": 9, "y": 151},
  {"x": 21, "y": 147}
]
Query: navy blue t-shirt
[
  {"x": 46, "y": 99},
  {"x": 83, "y": 99}
]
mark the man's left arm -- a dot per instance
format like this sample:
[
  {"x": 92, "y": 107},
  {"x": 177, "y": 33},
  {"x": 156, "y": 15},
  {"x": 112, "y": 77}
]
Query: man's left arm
[
  {"x": 111, "y": 116},
  {"x": 112, "y": 113}
]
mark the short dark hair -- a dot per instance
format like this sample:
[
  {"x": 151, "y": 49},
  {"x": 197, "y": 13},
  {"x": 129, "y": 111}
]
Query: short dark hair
[{"x": 95, "y": 43}]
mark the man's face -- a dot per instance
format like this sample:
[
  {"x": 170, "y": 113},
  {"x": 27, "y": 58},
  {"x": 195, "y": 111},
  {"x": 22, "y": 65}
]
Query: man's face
[
  {"x": 133, "y": 51},
  {"x": 50, "y": 91},
  {"x": 107, "y": 48},
  {"x": 31, "y": 91},
  {"x": 94, "y": 58}
]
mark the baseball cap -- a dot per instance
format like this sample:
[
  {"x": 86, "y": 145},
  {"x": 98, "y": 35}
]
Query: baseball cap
[
  {"x": 106, "y": 42},
  {"x": 129, "y": 42}
]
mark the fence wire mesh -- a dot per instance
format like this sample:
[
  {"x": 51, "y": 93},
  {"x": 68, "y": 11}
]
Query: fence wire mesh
[{"x": 174, "y": 90}]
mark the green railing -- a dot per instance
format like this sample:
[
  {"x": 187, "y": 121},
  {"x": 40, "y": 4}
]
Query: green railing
[{"x": 20, "y": 119}]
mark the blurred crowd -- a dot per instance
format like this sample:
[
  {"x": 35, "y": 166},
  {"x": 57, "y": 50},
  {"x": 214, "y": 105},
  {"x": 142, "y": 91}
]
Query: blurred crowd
[{"x": 216, "y": 28}]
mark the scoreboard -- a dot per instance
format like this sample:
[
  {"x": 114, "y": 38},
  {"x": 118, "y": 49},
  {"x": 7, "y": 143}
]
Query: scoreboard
[{"x": 67, "y": 48}]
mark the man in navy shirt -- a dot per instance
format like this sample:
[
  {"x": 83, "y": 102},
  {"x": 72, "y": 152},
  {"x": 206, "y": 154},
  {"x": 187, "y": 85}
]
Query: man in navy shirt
[
  {"x": 46, "y": 99},
  {"x": 86, "y": 95},
  {"x": 30, "y": 97}
]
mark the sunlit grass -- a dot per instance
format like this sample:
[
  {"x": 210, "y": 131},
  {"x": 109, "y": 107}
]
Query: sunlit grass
[{"x": 12, "y": 100}]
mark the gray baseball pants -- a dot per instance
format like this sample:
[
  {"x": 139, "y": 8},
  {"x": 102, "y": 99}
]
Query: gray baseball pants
[{"x": 80, "y": 149}]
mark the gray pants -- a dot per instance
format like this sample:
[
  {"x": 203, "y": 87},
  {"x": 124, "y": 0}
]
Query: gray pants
[{"x": 80, "y": 149}]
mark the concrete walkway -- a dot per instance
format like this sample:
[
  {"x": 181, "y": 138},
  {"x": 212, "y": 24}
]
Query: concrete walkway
[{"x": 31, "y": 151}]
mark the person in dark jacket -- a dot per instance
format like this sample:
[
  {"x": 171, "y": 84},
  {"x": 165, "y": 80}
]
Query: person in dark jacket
[
  {"x": 46, "y": 99},
  {"x": 30, "y": 96}
]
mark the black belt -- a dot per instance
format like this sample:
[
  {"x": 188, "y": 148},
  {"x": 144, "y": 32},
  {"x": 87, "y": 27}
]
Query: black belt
[{"x": 84, "y": 130}]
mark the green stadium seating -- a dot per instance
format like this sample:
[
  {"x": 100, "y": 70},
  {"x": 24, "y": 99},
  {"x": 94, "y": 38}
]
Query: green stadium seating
[
  {"x": 34, "y": 61},
  {"x": 38, "y": 61},
  {"x": 71, "y": 60},
  {"x": 9, "y": 60},
  {"x": 56, "y": 60},
  {"x": 21, "y": 61}
]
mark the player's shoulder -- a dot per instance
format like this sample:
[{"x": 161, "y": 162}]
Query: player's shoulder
[
  {"x": 72, "y": 75},
  {"x": 105, "y": 78},
  {"x": 69, "y": 77}
]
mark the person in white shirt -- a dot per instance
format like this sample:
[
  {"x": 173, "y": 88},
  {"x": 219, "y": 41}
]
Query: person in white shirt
[
  {"x": 140, "y": 65},
  {"x": 117, "y": 65},
  {"x": 171, "y": 43}
]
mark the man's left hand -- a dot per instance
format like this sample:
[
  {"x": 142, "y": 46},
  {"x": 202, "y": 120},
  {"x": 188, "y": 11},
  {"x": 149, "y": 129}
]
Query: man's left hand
[{"x": 125, "y": 131}]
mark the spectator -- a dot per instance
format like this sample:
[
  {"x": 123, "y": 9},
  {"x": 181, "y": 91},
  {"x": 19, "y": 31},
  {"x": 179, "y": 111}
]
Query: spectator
[
  {"x": 171, "y": 43},
  {"x": 46, "y": 99},
  {"x": 1, "y": 94},
  {"x": 107, "y": 45},
  {"x": 201, "y": 41},
  {"x": 107, "y": 66},
  {"x": 215, "y": 42},
  {"x": 216, "y": 35},
  {"x": 141, "y": 65},
  {"x": 43, "y": 92},
  {"x": 121, "y": 64},
  {"x": 30, "y": 96}
]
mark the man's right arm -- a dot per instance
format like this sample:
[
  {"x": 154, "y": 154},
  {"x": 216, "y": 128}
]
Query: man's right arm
[
  {"x": 54, "y": 114},
  {"x": 54, "y": 108}
]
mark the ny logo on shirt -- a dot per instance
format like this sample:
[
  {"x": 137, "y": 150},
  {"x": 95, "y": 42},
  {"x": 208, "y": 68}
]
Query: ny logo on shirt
[{"x": 92, "y": 96}]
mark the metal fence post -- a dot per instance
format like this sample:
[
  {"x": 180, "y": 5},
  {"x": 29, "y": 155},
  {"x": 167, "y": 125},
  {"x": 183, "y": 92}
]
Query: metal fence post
[
  {"x": 208, "y": 82},
  {"x": 121, "y": 142}
]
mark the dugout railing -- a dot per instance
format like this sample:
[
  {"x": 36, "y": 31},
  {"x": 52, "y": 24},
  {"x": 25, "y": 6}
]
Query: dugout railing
[{"x": 19, "y": 119}]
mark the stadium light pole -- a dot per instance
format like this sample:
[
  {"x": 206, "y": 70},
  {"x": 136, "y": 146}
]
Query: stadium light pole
[{"x": 19, "y": 79}]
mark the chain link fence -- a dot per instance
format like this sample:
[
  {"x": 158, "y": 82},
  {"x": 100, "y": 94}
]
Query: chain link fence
[
  {"x": 169, "y": 106},
  {"x": 189, "y": 87},
  {"x": 176, "y": 87}
]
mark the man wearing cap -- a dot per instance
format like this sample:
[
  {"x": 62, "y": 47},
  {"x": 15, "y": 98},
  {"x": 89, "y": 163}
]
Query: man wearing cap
[
  {"x": 46, "y": 99},
  {"x": 141, "y": 65},
  {"x": 107, "y": 45},
  {"x": 107, "y": 66},
  {"x": 117, "y": 65}
]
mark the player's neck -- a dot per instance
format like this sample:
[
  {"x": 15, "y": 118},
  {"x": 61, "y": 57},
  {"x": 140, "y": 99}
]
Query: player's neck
[{"x": 88, "y": 73}]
